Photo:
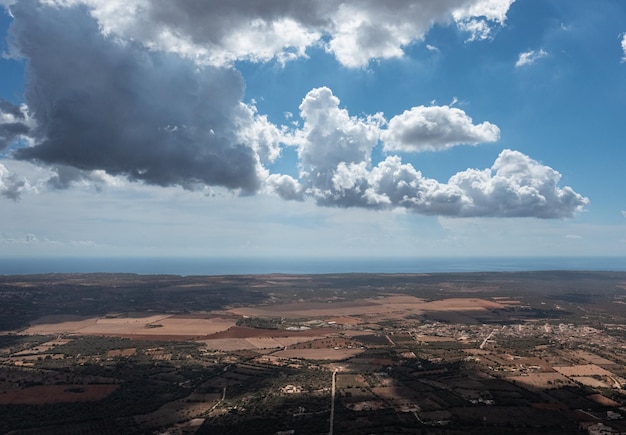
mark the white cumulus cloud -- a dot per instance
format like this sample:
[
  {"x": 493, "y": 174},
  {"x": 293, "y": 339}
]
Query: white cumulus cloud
[
  {"x": 515, "y": 186},
  {"x": 435, "y": 128},
  {"x": 335, "y": 152},
  {"x": 519, "y": 186},
  {"x": 330, "y": 135}
]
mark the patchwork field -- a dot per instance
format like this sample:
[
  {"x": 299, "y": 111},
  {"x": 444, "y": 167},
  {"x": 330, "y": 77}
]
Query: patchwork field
[{"x": 504, "y": 353}]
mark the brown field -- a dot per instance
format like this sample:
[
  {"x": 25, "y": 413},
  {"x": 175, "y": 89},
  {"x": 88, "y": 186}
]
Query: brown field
[
  {"x": 42, "y": 394},
  {"x": 583, "y": 370},
  {"x": 591, "y": 358},
  {"x": 243, "y": 332},
  {"x": 59, "y": 324},
  {"x": 230, "y": 344},
  {"x": 345, "y": 320},
  {"x": 189, "y": 326},
  {"x": 42, "y": 348},
  {"x": 540, "y": 381},
  {"x": 318, "y": 354},
  {"x": 397, "y": 306},
  {"x": 132, "y": 325},
  {"x": 593, "y": 382}
]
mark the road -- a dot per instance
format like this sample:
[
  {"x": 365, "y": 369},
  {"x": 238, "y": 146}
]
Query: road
[
  {"x": 332, "y": 403},
  {"x": 487, "y": 339}
]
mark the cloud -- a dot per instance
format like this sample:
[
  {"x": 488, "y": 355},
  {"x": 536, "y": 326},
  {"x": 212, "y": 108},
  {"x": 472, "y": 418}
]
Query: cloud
[
  {"x": 139, "y": 89},
  {"x": 435, "y": 128},
  {"x": 111, "y": 105},
  {"x": 14, "y": 123},
  {"x": 623, "y": 44},
  {"x": 11, "y": 185},
  {"x": 515, "y": 186},
  {"x": 336, "y": 169},
  {"x": 64, "y": 176},
  {"x": 479, "y": 17},
  {"x": 330, "y": 135},
  {"x": 519, "y": 186},
  {"x": 354, "y": 31},
  {"x": 286, "y": 187},
  {"x": 530, "y": 57}
]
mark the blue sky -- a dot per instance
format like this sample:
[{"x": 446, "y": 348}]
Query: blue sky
[{"x": 305, "y": 129}]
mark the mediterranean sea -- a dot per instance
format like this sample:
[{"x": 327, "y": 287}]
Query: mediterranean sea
[{"x": 243, "y": 266}]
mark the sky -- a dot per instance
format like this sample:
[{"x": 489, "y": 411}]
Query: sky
[{"x": 318, "y": 128}]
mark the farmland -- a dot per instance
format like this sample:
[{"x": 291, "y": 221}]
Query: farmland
[{"x": 428, "y": 353}]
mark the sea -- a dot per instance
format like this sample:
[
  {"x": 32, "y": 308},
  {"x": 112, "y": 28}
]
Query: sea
[{"x": 266, "y": 265}]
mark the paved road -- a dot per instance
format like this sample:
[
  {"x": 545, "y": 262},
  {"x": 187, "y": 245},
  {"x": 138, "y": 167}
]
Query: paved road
[{"x": 332, "y": 404}]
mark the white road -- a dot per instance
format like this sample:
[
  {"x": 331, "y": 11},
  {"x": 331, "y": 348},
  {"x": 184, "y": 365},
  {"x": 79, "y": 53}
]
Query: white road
[{"x": 332, "y": 403}]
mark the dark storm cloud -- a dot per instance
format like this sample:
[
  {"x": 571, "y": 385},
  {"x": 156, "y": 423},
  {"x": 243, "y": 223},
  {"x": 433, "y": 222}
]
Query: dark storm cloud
[{"x": 103, "y": 103}]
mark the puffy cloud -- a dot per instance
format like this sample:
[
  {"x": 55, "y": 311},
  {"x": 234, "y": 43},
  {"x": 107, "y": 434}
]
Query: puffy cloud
[
  {"x": 361, "y": 31},
  {"x": 11, "y": 185},
  {"x": 623, "y": 43},
  {"x": 355, "y": 31},
  {"x": 515, "y": 186},
  {"x": 435, "y": 128},
  {"x": 14, "y": 123},
  {"x": 335, "y": 151},
  {"x": 105, "y": 104},
  {"x": 110, "y": 96},
  {"x": 260, "y": 134},
  {"x": 390, "y": 184},
  {"x": 530, "y": 57},
  {"x": 330, "y": 135},
  {"x": 286, "y": 187}
]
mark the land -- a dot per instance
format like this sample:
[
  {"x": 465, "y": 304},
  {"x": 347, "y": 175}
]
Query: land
[{"x": 500, "y": 353}]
